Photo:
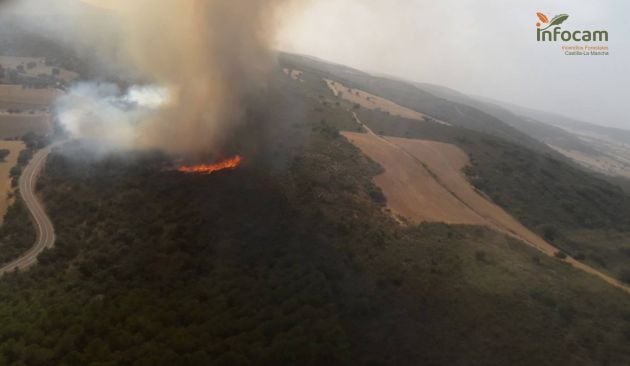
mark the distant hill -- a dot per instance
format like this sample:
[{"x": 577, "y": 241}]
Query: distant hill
[
  {"x": 602, "y": 149},
  {"x": 541, "y": 131}
]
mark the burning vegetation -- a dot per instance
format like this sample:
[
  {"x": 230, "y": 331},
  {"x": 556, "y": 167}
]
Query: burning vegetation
[{"x": 206, "y": 169}]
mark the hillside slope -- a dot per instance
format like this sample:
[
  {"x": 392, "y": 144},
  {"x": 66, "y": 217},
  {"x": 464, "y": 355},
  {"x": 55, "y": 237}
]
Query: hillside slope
[
  {"x": 579, "y": 212},
  {"x": 291, "y": 259},
  {"x": 297, "y": 266},
  {"x": 409, "y": 96}
]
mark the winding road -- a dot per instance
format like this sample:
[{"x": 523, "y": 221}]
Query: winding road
[{"x": 45, "y": 230}]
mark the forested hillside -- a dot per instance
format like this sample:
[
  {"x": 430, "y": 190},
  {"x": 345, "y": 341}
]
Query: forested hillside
[{"x": 293, "y": 263}]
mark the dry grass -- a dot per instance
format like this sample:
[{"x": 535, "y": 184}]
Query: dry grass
[{"x": 6, "y": 192}]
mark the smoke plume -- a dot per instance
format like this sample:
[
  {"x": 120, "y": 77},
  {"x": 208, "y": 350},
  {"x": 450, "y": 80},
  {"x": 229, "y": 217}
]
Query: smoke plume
[
  {"x": 204, "y": 59},
  {"x": 103, "y": 112}
]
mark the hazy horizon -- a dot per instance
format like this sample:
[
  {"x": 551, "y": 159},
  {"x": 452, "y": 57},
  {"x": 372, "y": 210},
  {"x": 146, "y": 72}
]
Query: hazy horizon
[{"x": 484, "y": 48}]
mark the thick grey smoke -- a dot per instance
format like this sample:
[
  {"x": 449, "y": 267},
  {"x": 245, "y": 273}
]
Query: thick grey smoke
[{"x": 208, "y": 56}]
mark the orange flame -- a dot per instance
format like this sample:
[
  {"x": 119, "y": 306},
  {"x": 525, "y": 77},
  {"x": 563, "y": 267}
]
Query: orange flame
[{"x": 231, "y": 163}]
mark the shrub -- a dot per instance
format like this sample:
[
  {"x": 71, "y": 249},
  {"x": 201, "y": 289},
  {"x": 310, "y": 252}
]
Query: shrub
[
  {"x": 549, "y": 232},
  {"x": 561, "y": 255},
  {"x": 377, "y": 195},
  {"x": 480, "y": 255},
  {"x": 4, "y": 153}
]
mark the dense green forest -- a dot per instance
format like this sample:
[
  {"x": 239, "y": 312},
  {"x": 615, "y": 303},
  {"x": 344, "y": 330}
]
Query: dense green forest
[{"x": 285, "y": 263}]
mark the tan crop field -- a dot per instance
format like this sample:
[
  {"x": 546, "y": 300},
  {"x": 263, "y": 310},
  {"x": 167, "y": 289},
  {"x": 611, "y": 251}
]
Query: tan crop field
[
  {"x": 424, "y": 181},
  {"x": 17, "y": 125},
  {"x": 16, "y": 96},
  {"x": 24, "y": 110}
]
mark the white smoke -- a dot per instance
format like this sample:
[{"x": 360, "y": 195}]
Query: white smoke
[{"x": 102, "y": 111}]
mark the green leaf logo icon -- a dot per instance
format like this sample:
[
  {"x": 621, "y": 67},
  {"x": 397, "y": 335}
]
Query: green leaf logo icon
[{"x": 557, "y": 20}]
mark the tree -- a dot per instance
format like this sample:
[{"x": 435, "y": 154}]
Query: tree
[
  {"x": 550, "y": 232},
  {"x": 561, "y": 255},
  {"x": 4, "y": 153}
]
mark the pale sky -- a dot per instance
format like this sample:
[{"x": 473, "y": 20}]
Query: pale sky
[{"x": 485, "y": 48}]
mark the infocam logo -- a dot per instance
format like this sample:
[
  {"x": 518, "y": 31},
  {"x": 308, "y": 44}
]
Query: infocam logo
[{"x": 550, "y": 31}]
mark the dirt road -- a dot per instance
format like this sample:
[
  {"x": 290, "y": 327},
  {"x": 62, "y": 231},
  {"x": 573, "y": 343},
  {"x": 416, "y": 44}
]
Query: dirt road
[{"x": 45, "y": 230}]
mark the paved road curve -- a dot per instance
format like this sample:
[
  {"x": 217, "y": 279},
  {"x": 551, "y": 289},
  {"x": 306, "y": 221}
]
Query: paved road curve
[{"x": 45, "y": 230}]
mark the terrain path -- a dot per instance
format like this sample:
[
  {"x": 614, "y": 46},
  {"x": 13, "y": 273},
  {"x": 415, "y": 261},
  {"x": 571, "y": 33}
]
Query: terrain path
[
  {"x": 43, "y": 225},
  {"x": 423, "y": 181}
]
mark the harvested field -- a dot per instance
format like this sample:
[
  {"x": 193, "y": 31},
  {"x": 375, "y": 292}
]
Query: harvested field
[
  {"x": 17, "y": 125},
  {"x": 411, "y": 189},
  {"x": 423, "y": 181},
  {"x": 16, "y": 96}
]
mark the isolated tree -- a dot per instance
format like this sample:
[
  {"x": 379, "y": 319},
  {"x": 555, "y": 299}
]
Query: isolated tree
[
  {"x": 550, "y": 232},
  {"x": 4, "y": 153}
]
